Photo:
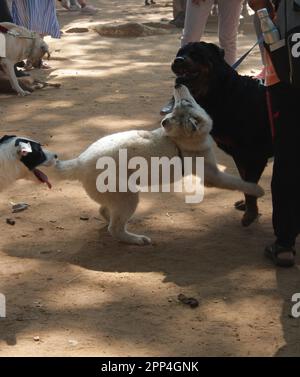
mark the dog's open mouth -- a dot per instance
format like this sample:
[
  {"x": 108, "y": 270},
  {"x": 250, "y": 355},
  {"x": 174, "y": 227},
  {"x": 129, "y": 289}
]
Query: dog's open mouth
[
  {"x": 185, "y": 76},
  {"x": 42, "y": 177}
]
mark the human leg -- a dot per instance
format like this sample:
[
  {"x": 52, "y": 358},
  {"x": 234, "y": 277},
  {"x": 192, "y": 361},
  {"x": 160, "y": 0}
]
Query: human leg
[
  {"x": 229, "y": 19},
  {"x": 286, "y": 176},
  {"x": 195, "y": 21}
]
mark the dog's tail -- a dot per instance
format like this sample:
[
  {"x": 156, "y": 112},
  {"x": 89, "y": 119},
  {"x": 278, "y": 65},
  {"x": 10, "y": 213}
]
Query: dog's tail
[{"x": 68, "y": 170}]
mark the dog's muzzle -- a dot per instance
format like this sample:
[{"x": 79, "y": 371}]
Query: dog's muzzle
[
  {"x": 179, "y": 65},
  {"x": 36, "y": 157},
  {"x": 181, "y": 68}
]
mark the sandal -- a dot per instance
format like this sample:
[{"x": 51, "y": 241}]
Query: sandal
[
  {"x": 273, "y": 252},
  {"x": 89, "y": 10}
]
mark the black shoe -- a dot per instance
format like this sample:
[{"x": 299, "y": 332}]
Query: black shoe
[
  {"x": 168, "y": 107},
  {"x": 273, "y": 251},
  {"x": 178, "y": 20}
]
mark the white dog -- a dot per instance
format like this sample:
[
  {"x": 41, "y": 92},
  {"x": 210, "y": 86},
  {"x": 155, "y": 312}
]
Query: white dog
[
  {"x": 19, "y": 158},
  {"x": 184, "y": 133},
  {"x": 20, "y": 44}
]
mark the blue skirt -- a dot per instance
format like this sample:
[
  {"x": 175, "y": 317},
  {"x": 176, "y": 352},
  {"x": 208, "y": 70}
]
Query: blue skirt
[{"x": 36, "y": 15}]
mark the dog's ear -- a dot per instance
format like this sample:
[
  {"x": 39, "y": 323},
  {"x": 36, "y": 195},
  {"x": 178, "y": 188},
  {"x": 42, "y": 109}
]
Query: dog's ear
[{"x": 24, "y": 148}]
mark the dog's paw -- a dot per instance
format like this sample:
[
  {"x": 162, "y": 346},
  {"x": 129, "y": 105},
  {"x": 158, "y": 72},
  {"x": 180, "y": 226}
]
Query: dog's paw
[
  {"x": 144, "y": 240},
  {"x": 139, "y": 240},
  {"x": 24, "y": 93},
  {"x": 260, "y": 191},
  {"x": 135, "y": 239},
  {"x": 249, "y": 217},
  {"x": 257, "y": 191}
]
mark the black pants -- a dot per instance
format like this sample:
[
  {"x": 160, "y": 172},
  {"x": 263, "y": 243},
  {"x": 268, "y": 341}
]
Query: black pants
[
  {"x": 5, "y": 15},
  {"x": 286, "y": 170}
]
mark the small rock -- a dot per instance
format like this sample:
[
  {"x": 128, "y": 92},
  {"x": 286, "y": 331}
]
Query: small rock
[
  {"x": 19, "y": 207},
  {"x": 129, "y": 29},
  {"x": 84, "y": 218},
  {"x": 73, "y": 343},
  {"x": 36, "y": 338},
  {"x": 192, "y": 302},
  {"x": 10, "y": 221},
  {"x": 77, "y": 30},
  {"x": 159, "y": 25}
]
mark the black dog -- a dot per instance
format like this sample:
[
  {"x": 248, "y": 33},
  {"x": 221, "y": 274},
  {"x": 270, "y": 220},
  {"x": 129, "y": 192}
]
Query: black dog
[{"x": 238, "y": 107}]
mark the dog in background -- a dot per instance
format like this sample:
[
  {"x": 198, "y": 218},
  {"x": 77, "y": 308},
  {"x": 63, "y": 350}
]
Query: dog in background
[
  {"x": 184, "y": 133},
  {"x": 27, "y": 83},
  {"x": 20, "y": 44},
  {"x": 149, "y": 2},
  {"x": 19, "y": 159},
  {"x": 238, "y": 107}
]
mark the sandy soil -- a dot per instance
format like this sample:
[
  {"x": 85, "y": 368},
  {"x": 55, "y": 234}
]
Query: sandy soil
[{"x": 68, "y": 283}]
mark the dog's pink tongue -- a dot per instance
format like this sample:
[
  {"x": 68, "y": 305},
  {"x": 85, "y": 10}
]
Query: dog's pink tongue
[{"x": 42, "y": 177}]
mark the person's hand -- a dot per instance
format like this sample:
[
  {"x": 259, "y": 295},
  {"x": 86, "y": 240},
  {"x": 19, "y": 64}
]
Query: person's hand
[{"x": 259, "y": 4}]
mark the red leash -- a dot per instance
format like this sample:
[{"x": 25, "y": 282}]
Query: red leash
[{"x": 270, "y": 113}]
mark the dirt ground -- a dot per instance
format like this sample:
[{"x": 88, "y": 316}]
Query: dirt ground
[{"x": 68, "y": 283}]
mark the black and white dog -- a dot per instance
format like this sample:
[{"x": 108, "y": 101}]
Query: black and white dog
[{"x": 19, "y": 159}]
